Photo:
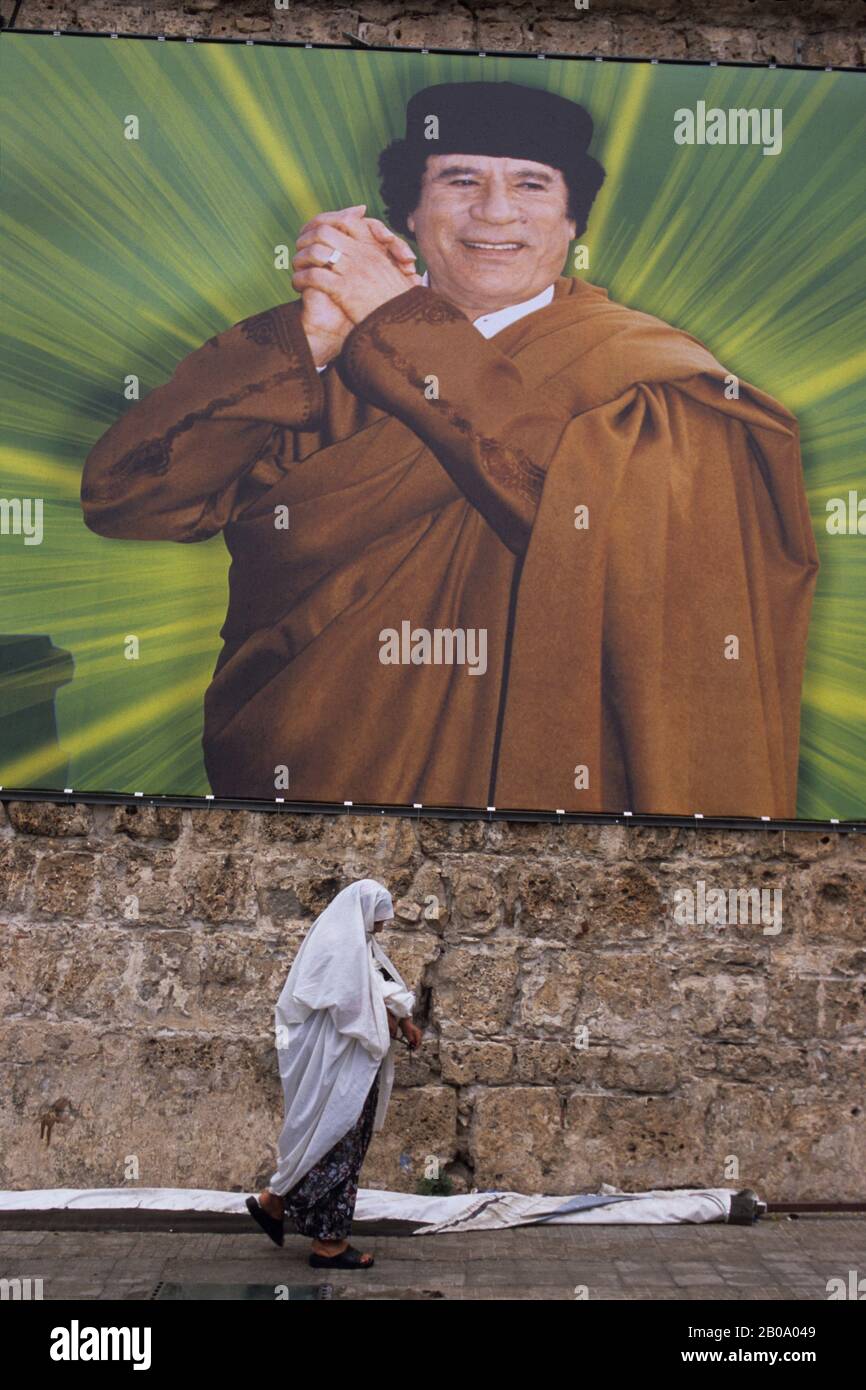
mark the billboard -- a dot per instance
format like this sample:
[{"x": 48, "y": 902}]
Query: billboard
[{"x": 432, "y": 429}]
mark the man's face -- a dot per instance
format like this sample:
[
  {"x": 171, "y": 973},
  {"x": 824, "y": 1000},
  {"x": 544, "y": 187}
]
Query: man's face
[{"x": 493, "y": 231}]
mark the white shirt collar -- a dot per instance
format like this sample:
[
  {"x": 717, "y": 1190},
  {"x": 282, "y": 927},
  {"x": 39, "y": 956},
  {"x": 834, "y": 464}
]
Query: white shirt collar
[{"x": 490, "y": 324}]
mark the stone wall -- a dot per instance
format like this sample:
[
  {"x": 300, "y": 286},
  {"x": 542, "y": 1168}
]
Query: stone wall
[
  {"x": 782, "y": 31},
  {"x": 143, "y": 950},
  {"x": 576, "y": 1031}
]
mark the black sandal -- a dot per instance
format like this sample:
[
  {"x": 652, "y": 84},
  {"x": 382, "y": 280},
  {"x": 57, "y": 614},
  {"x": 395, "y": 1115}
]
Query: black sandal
[
  {"x": 269, "y": 1224},
  {"x": 350, "y": 1258}
]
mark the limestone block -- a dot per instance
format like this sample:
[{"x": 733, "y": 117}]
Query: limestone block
[
  {"x": 421, "y": 1123},
  {"x": 474, "y": 989}
]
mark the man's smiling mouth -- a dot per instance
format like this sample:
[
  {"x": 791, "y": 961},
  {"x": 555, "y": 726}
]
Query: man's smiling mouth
[{"x": 495, "y": 246}]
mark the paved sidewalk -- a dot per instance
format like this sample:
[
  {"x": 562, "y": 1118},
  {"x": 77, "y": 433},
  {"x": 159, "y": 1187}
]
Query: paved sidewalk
[{"x": 778, "y": 1258}]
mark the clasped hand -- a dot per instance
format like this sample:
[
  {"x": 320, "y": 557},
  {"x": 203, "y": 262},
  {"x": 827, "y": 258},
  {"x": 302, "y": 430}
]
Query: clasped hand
[{"x": 374, "y": 265}]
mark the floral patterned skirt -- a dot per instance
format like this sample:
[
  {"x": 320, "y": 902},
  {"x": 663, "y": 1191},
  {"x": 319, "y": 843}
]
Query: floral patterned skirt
[{"x": 322, "y": 1204}]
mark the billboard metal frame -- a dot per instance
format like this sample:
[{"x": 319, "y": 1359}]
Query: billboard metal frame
[{"x": 70, "y": 796}]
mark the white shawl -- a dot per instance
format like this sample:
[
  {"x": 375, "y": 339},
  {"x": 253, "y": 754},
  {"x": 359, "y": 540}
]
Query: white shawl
[{"x": 332, "y": 1029}]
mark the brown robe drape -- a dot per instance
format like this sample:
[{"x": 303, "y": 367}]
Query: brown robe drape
[{"x": 432, "y": 475}]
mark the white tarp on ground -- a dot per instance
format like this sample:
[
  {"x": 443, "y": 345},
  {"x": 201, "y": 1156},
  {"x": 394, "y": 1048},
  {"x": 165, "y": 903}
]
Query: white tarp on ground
[
  {"x": 470, "y": 1211},
  {"x": 489, "y": 1210}
]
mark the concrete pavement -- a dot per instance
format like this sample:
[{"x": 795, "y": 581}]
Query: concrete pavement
[{"x": 777, "y": 1258}]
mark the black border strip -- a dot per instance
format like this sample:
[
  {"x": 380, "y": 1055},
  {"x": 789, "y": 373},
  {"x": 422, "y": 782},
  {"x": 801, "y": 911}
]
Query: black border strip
[
  {"x": 358, "y": 44},
  {"x": 146, "y": 1220},
  {"x": 695, "y": 822},
  {"x": 419, "y": 812}
]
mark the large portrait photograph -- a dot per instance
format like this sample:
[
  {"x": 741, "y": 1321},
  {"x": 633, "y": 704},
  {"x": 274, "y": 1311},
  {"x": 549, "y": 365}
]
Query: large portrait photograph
[{"x": 432, "y": 429}]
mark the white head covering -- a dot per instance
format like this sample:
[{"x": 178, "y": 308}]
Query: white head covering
[
  {"x": 332, "y": 1028},
  {"x": 331, "y": 968}
]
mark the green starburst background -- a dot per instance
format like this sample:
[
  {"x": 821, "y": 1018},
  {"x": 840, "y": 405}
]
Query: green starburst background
[{"x": 122, "y": 256}]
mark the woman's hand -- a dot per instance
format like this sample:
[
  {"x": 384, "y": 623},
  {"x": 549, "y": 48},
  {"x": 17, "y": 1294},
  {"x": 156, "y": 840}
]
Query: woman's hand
[{"x": 411, "y": 1033}]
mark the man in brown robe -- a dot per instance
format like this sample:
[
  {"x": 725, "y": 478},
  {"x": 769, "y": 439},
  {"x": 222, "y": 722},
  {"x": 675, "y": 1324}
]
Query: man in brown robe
[{"x": 584, "y": 487}]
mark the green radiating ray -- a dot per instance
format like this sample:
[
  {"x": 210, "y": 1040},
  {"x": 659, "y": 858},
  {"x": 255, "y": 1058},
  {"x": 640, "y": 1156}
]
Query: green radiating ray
[{"x": 122, "y": 256}]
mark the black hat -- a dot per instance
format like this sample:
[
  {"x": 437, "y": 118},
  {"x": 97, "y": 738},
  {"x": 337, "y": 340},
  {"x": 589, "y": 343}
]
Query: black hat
[{"x": 498, "y": 118}]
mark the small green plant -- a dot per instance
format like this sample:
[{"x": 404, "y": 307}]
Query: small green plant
[{"x": 435, "y": 1187}]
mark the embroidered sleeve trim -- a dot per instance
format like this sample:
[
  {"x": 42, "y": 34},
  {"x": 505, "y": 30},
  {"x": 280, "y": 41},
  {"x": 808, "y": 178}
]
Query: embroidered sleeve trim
[
  {"x": 511, "y": 468},
  {"x": 277, "y": 329}
]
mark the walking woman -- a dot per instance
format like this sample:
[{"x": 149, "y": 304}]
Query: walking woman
[{"x": 340, "y": 1008}]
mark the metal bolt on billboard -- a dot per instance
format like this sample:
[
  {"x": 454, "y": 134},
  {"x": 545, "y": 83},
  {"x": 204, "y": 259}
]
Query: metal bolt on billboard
[{"x": 432, "y": 428}]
